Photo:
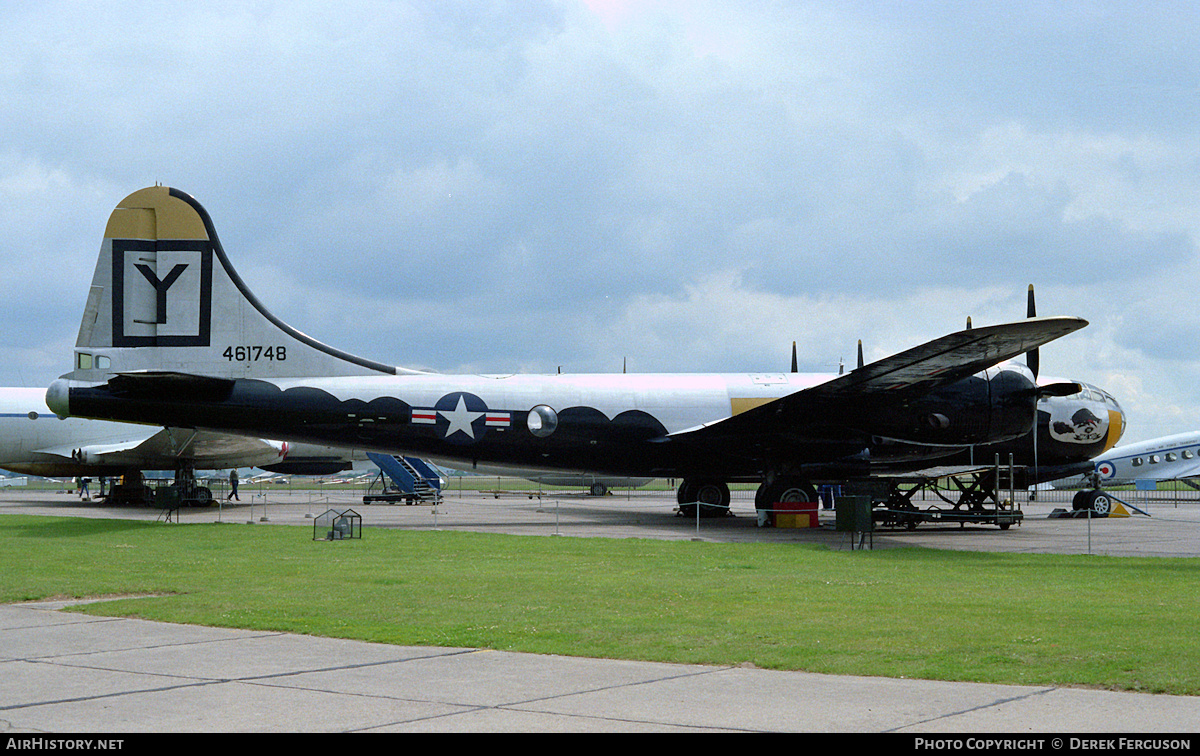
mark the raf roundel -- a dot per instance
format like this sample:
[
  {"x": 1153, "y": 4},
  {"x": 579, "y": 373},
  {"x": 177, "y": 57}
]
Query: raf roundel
[{"x": 1106, "y": 469}]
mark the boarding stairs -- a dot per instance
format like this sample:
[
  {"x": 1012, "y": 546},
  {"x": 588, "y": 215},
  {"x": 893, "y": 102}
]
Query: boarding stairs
[{"x": 408, "y": 479}]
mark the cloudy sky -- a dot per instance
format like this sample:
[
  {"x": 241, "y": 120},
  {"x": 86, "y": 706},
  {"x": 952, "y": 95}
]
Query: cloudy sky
[{"x": 672, "y": 186}]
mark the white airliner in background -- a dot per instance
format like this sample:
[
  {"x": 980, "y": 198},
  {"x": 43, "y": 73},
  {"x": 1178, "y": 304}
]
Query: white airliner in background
[
  {"x": 34, "y": 441},
  {"x": 1175, "y": 457}
]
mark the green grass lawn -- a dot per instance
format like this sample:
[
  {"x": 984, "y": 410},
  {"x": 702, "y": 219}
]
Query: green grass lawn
[{"x": 1120, "y": 623}]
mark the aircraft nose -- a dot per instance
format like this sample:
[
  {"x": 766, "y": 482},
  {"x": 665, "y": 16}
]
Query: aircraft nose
[
  {"x": 1116, "y": 425},
  {"x": 1108, "y": 407}
]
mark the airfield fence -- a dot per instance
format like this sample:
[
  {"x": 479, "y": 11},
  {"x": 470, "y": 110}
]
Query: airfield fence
[{"x": 334, "y": 490}]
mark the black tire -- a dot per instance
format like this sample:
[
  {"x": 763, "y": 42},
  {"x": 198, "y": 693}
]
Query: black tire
[
  {"x": 711, "y": 495},
  {"x": 1080, "y": 501},
  {"x": 784, "y": 489}
]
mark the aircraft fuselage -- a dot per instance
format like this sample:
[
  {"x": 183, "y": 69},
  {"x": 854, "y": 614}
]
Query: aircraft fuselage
[{"x": 634, "y": 424}]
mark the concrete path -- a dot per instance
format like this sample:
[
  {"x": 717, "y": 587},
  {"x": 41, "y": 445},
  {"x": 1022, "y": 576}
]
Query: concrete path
[{"x": 68, "y": 673}]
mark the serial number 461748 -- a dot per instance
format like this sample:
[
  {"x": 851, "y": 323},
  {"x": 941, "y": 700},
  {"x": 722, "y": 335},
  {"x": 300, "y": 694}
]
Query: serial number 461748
[{"x": 255, "y": 353}]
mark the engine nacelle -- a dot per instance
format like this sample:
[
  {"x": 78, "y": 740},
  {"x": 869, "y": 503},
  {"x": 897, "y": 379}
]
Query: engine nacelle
[{"x": 996, "y": 405}]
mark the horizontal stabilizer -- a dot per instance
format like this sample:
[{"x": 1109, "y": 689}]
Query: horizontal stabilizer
[{"x": 178, "y": 386}]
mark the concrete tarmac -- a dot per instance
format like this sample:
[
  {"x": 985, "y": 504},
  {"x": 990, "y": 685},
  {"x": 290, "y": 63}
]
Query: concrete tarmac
[{"x": 70, "y": 673}]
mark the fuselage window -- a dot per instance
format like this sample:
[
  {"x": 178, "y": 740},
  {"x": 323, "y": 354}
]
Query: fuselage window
[
  {"x": 542, "y": 421},
  {"x": 85, "y": 361}
]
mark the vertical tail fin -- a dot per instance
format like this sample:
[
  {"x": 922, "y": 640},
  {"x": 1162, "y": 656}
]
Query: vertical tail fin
[{"x": 164, "y": 298}]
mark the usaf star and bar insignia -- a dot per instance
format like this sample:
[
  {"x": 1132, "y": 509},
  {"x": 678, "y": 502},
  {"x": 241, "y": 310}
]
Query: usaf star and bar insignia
[{"x": 461, "y": 417}]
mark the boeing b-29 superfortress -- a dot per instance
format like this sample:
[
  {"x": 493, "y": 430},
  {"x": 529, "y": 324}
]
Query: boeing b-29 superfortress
[{"x": 171, "y": 335}]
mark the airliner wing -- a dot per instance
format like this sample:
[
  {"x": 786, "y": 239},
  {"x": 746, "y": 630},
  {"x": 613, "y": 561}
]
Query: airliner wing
[
  {"x": 154, "y": 445},
  {"x": 138, "y": 436},
  {"x": 1187, "y": 471}
]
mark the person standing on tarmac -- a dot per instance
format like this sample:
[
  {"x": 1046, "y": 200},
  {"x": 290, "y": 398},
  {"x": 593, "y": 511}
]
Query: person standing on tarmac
[{"x": 233, "y": 481}]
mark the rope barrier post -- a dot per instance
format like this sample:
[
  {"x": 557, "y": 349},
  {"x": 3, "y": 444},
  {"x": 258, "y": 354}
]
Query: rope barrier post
[{"x": 1089, "y": 519}]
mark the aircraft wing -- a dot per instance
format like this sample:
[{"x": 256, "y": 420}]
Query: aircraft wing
[
  {"x": 833, "y": 405},
  {"x": 1184, "y": 471},
  {"x": 948, "y": 359},
  {"x": 228, "y": 450},
  {"x": 138, "y": 436}
]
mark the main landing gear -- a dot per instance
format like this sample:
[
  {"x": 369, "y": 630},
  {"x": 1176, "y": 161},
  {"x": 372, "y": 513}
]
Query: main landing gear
[
  {"x": 785, "y": 488},
  {"x": 188, "y": 489},
  {"x": 712, "y": 496},
  {"x": 131, "y": 490}
]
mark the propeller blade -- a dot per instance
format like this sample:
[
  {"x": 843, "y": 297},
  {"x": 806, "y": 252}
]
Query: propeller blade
[
  {"x": 860, "y": 358},
  {"x": 1031, "y": 357},
  {"x": 795, "y": 365}
]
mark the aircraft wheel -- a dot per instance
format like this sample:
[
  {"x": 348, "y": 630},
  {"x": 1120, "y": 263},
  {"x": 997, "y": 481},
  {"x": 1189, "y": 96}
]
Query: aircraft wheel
[
  {"x": 713, "y": 495},
  {"x": 598, "y": 489},
  {"x": 1101, "y": 504},
  {"x": 683, "y": 493},
  {"x": 783, "y": 490},
  {"x": 202, "y": 497},
  {"x": 1079, "y": 502}
]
